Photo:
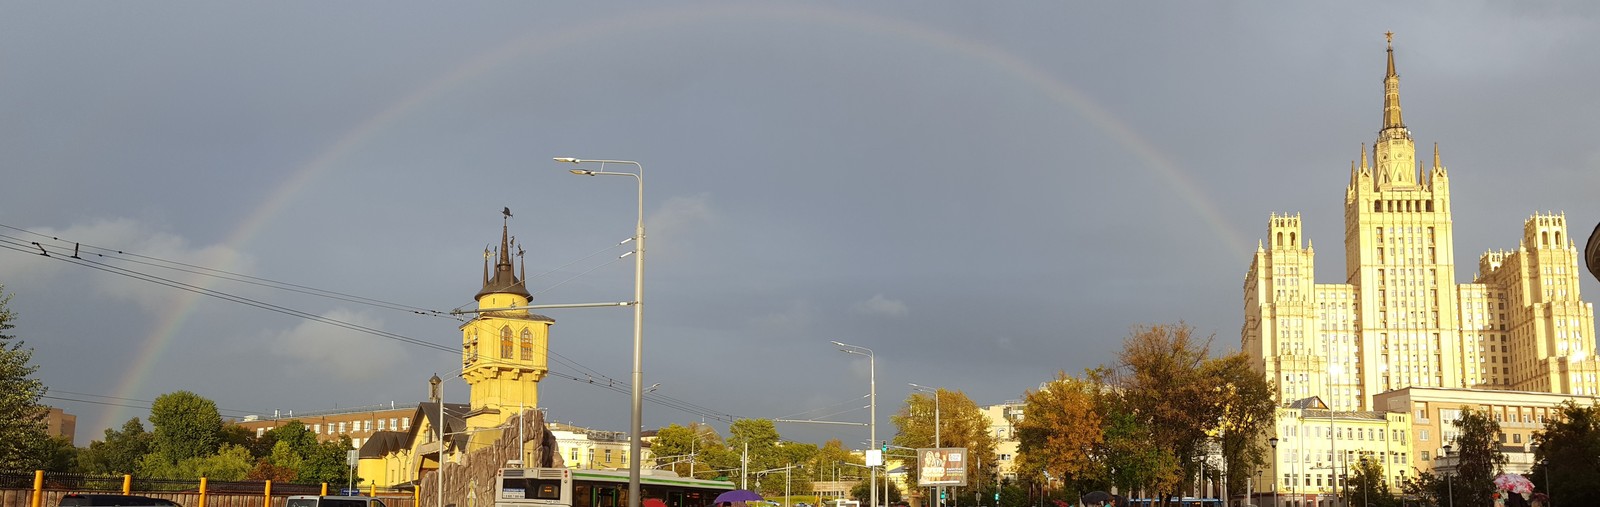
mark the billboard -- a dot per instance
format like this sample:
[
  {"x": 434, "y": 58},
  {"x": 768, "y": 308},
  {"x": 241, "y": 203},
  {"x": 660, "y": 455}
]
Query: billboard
[{"x": 944, "y": 466}]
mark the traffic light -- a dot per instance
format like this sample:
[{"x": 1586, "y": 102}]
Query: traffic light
[
  {"x": 885, "y": 446},
  {"x": 997, "y": 496},
  {"x": 941, "y": 495}
]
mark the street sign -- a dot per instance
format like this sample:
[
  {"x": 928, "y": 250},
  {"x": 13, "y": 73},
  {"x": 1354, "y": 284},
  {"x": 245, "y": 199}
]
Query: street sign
[{"x": 874, "y": 458}]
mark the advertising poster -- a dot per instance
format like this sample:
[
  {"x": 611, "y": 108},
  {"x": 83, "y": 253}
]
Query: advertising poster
[{"x": 945, "y": 466}]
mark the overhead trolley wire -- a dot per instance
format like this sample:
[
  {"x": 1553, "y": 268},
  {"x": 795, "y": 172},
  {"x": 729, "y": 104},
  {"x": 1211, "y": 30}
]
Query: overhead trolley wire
[{"x": 60, "y": 252}]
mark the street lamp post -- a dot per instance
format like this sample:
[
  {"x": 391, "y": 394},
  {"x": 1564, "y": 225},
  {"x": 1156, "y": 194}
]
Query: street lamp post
[
  {"x": 1365, "y": 484},
  {"x": 938, "y": 490},
  {"x": 1274, "y": 442},
  {"x": 638, "y": 315},
  {"x": 1449, "y": 484},
  {"x": 872, "y": 412},
  {"x": 1545, "y": 463}
]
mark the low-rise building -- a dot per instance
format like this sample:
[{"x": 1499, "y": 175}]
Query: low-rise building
[
  {"x": 1318, "y": 449},
  {"x": 1433, "y": 409}
]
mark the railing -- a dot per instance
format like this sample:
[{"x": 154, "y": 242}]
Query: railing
[{"x": 40, "y": 489}]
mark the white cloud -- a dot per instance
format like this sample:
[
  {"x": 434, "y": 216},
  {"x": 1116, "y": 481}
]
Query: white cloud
[
  {"x": 342, "y": 353},
  {"x": 880, "y": 305},
  {"x": 146, "y": 248}
]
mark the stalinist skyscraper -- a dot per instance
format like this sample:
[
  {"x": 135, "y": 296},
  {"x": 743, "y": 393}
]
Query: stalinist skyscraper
[{"x": 1399, "y": 319}]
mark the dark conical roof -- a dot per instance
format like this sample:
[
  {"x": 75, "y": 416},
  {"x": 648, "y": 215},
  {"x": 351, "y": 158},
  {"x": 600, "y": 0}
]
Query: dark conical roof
[{"x": 503, "y": 279}]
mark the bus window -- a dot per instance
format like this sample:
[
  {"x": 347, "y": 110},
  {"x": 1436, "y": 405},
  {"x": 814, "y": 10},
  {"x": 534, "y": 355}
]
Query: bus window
[{"x": 582, "y": 495}]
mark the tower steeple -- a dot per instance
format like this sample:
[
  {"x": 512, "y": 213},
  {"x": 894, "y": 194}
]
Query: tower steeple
[
  {"x": 1394, "y": 152},
  {"x": 1391, "y": 93},
  {"x": 503, "y": 280}
]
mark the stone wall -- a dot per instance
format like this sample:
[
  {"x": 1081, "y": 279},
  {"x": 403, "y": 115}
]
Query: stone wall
[{"x": 471, "y": 482}]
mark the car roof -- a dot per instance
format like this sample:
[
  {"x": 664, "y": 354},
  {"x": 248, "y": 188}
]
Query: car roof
[{"x": 94, "y": 500}]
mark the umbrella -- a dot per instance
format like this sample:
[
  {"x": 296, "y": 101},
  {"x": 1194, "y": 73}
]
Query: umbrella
[
  {"x": 654, "y": 502},
  {"x": 738, "y": 495},
  {"x": 1097, "y": 497}
]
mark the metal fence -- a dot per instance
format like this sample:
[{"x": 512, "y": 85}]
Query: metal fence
[{"x": 17, "y": 490}]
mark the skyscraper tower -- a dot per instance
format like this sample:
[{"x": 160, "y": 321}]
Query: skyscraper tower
[{"x": 1400, "y": 319}]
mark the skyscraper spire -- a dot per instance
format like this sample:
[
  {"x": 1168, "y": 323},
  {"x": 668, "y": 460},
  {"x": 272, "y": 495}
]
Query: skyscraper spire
[{"x": 1391, "y": 92}]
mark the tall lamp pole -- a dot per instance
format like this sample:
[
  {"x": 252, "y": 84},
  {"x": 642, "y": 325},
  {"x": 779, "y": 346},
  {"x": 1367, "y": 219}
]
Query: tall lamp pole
[
  {"x": 872, "y": 412},
  {"x": 1449, "y": 480},
  {"x": 638, "y": 315},
  {"x": 938, "y": 490},
  {"x": 1274, "y": 442}
]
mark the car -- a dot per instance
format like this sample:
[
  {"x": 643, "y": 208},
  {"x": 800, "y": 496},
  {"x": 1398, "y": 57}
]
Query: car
[
  {"x": 332, "y": 501},
  {"x": 98, "y": 500}
]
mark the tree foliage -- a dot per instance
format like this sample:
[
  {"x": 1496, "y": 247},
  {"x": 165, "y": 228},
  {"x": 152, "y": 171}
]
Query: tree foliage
[
  {"x": 23, "y": 439},
  {"x": 187, "y": 425},
  {"x": 1062, "y": 429},
  {"x": 1368, "y": 487},
  {"x": 119, "y": 453},
  {"x": 1147, "y": 422},
  {"x": 1570, "y": 443},
  {"x": 961, "y": 424},
  {"x": 1479, "y": 457},
  {"x": 1245, "y": 399},
  {"x": 1163, "y": 384}
]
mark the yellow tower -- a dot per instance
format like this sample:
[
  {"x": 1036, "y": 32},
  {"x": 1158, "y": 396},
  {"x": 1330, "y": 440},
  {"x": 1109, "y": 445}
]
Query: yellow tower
[{"x": 503, "y": 351}]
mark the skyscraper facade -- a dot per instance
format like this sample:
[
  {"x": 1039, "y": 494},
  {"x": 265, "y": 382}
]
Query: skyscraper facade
[{"x": 1400, "y": 319}]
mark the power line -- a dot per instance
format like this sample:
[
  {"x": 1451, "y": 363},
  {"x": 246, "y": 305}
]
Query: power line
[{"x": 60, "y": 253}]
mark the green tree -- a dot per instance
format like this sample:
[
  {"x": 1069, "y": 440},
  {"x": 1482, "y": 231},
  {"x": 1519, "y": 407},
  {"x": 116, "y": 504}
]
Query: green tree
[
  {"x": 1367, "y": 486},
  {"x": 230, "y": 463},
  {"x": 680, "y": 448},
  {"x": 1480, "y": 459},
  {"x": 1246, "y": 400},
  {"x": 1162, "y": 384},
  {"x": 762, "y": 438},
  {"x": 1566, "y": 451},
  {"x": 187, "y": 425},
  {"x": 119, "y": 453},
  {"x": 22, "y": 427},
  {"x": 298, "y": 457},
  {"x": 1425, "y": 487}
]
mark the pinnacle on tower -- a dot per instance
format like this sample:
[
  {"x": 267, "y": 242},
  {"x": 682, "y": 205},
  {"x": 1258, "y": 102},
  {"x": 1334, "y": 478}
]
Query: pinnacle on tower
[{"x": 1391, "y": 96}]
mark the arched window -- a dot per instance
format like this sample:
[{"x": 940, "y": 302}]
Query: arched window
[
  {"x": 1280, "y": 240},
  {"x": 527, "y": 345},
  {"x": 505, "y": 342}
]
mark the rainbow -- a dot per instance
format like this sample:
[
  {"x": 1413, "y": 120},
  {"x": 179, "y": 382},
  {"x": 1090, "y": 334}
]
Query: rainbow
[{"x": 535, "y": 45}]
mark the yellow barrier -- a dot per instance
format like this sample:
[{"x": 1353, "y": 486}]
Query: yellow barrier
[
  {"x": 267, "y": 500},
  {"x": 202, "y": 492},
  {"x": 38, "y": 487},
  {"x": 324, "y": 489},
  {"x": 127, "y": 484}
]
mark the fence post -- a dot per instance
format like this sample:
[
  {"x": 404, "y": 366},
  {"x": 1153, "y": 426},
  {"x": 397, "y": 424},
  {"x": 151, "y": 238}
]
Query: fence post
[
  {"x": 38, "y": 487},
  {"x": 202, "y": 492},
  {"x": 127, "y": 484},
  {"x": 324, "y": 489},
  {"x": 373, "y": 490},
  {"x": 267, "y": 502}
]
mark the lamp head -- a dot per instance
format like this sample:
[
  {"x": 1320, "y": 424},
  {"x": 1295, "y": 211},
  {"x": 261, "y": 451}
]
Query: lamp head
[
  {"x": 1273, "y": 442},
  {"x": 581, "y": 172},
  {"x": 569, "y": 160}
]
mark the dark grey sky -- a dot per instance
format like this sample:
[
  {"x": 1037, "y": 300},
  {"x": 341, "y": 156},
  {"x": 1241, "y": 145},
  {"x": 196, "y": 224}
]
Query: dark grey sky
[{"x": 982, "y": 194}]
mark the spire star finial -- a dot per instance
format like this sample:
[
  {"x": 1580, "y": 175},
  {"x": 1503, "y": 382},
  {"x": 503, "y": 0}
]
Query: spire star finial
[{"x": 1389, "y": 37}]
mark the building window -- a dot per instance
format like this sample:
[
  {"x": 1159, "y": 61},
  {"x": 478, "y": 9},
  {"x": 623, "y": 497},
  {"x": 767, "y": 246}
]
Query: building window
[
  {"x": 505, "y": 342},
  {"x": 405, "y": 423},
  {"x": 527, "y": 345},
  {"x": 316, "y": 428},
  {"x": 380, "y": 425}
]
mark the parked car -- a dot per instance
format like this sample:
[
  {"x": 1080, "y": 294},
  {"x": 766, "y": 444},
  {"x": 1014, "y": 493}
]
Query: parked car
[
  {"x": 96, "y": 500},
  {"x": 332, "y": 501}
]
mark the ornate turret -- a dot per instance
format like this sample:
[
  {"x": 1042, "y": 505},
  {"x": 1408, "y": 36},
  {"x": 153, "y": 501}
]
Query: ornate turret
[{"x": 503, "y": 279}]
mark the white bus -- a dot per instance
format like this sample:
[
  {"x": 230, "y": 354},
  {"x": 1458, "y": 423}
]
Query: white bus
[{"x": 562, "y": 487}]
